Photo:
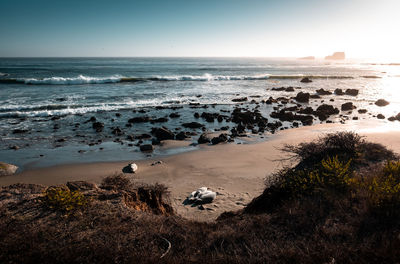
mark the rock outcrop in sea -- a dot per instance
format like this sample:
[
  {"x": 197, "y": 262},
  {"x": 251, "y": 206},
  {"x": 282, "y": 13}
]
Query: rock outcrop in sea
[{"x": 336, "y": 56}]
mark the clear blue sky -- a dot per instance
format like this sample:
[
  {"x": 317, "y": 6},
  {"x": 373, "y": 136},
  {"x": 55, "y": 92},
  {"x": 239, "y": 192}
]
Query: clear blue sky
[{"x": 362, "y": 28}]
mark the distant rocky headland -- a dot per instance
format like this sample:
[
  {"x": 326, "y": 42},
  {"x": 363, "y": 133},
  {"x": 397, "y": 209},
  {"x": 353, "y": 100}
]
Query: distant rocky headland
[
  {"x": 307, "y": 58},
  {"x": 336, "y": 56}
]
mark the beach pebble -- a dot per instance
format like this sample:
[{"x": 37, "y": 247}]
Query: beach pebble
[
  {"x": 156, "y": 162},
  {"x": 133, "y": 167},
  {"x": 7, "y": 169}
]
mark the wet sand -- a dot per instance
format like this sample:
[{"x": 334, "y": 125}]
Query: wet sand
[{"x": 235, "y": 171}]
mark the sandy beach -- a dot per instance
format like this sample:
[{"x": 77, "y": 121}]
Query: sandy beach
[{"x": 235, "y": 171}]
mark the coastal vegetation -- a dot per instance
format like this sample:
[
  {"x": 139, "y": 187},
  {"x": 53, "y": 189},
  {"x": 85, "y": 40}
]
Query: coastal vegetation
[{"x": 339, "y": 203}]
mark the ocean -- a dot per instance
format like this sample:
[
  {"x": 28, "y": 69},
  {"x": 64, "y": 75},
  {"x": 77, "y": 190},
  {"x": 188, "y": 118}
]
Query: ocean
[{"x": 46, "y": 104}]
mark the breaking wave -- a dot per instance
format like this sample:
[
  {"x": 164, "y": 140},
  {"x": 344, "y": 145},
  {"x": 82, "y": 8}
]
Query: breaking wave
[{"x": 81, "y": 79}]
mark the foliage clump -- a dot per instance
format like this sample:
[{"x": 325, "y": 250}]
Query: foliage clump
[
  {"x": 381, "y": 188},
  {"x": 330, "y": 174},
  {"x": 63, "y": 199},
  {"x": 327, "y": 167},
  {"x": 343, "y": 145}
]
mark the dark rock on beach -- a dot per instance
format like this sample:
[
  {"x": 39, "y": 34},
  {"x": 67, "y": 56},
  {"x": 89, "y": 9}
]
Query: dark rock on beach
[
  {"x": 181, "y": 136},
  {"x": 323, "y": 92},
  {"x": 220, "y": 139},
  {"x": 19, "y": 131},
  {"x": 308, "y": 111},
  {"x": 247, "y": 117},
  {"x": 352, "y": 92},
  {"x": 146, "y": 147},
  {"x": 302, "y": 97},
  {"x": 324, "y": 111},
  {"x": 203, "y": 139},
  {"x": 339, "y": 92},
  {"x": 380, "y": 116},
  {"x": 174, "y": 115},
  {"x": 306, "y": 80},
  {"x": 381, "y": 102},
  {"x": 139, "y": 119},
  {"x": 241, "y": 99},
  {"x": 159, "y": 120},
  {"x": 117, "y": 131},
  {"x": 98, "y": 126},
  {"x": 163, "y": 133},
  {"x": 347, "y": 106},
  {"x": 192, "y": 125}
]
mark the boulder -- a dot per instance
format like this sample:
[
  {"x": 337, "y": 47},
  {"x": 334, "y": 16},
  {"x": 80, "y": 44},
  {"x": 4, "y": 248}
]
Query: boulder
[
  {"x": 160, "y": 120},
  {"x": 347, "y": 106},
  {"x": 306, "y": 80},
  {"x": 117, "y": 131},
  {"x": 352, "y": 92},
  {"x": 289, "y": 89},
  {"x": 307, "y": 111},
  {"x": 181, "y": 136},
  {"x": 339, "y": 91},
  {"x": 162, "y": 133},
  {"x": 7, "y": 169},
  {"x": 241, "y": 99},
  {"x": 19, "y": 131},
  {"x": 174, "y": 115},
  {"x": 209, "y": 117},
  {"x": 362, "y": 111},
  {"x": 203, "y": 139},
  {"x": 247, "y": 117},
  {"x": 130, "y": 168},
  {"x": 381, "y": 102},
  {"x": 324, "y": 111},
  {"x": 146, "y": 147},
  {"x": 98, "y": 126},
  {"x": 279, "y": 89},
  {"x": 302, "y": 97},
  {"x": 192, "y": 125},
  {"x": 380, "y": 116},
  {"x": 143, "y": 136},
  {"x": 220, "y": 139},
  {"x": 139, "y": 119},
  {"x": 323, "y": 92}
]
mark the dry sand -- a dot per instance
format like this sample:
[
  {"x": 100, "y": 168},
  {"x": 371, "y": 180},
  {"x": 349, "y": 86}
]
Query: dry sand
[{"x": 235, "y": 172}]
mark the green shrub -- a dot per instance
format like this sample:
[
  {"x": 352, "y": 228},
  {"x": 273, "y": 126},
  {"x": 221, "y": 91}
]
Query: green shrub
[
  {"x": 63, "y": 199},
  {"x": 331, "y": 173},
  {"x": 384, "y": 189},
  {"x": 344, "y": 145}
]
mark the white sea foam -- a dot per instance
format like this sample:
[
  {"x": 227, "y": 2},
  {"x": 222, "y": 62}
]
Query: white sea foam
[{"x": 81, "y": 79}]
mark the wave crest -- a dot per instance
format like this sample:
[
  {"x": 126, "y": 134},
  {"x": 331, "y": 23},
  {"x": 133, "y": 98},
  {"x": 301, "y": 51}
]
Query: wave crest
[{"x": 81, "y": 79}]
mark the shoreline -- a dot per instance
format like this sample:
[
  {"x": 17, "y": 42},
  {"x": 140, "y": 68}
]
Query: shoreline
[{"x": 235, "y": 171}]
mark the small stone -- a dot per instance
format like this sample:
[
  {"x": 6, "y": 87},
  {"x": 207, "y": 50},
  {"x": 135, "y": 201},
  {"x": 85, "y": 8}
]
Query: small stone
[
  {"x": 7, "y": 169},
  {"x": 156, "y": 162}
]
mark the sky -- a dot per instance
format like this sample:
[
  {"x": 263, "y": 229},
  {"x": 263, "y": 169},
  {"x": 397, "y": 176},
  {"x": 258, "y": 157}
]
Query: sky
[{"x": 200, "y": 28}]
